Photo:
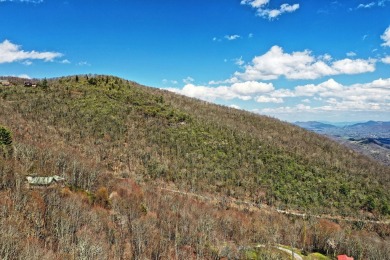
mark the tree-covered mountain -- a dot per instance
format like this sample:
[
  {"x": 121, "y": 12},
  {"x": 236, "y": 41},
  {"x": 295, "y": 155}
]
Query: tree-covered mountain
[{"x": 124, "y": 149}]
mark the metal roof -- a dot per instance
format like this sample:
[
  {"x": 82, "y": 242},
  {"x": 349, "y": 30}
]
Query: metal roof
[{"x": 36, "y": 180}]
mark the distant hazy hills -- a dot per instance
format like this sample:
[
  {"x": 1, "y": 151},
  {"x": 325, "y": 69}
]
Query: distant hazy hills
[
  {"x": 371, "y": 138},
  {"x": 314, "y": 125},
  {"x": 360, "y": 130}
]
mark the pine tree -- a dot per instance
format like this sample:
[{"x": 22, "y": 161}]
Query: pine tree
[
  {"x": 5, "y": 142},
  {"x": 5, "y": 136}
]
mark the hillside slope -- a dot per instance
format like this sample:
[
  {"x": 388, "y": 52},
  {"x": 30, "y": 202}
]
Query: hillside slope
[
  {"x": 125, "y": 129},
  {"x": 125, "y": 149}
]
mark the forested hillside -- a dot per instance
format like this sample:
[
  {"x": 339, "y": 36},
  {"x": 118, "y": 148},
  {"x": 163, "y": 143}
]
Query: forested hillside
[{"x": 123, "y": 148}]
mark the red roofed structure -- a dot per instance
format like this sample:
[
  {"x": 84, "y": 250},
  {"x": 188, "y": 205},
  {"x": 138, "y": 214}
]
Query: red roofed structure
[{"x": 344, "y": 257}]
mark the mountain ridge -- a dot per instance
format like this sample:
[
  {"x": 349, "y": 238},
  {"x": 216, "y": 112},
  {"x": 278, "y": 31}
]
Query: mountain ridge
[{"x": 117, "y": 144}]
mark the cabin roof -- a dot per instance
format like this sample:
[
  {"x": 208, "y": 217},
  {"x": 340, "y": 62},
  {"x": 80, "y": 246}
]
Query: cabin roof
[{"x": 37, "y": 180}]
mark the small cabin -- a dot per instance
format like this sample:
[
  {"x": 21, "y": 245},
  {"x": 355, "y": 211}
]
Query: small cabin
[
  {"x": 4, "y": 82},
  {"x": 28, "y": 84},
  {"x": 49, "y": 181}
]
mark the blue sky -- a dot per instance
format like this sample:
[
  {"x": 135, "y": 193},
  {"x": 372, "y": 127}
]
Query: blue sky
[{"x": 292, "y": 59}]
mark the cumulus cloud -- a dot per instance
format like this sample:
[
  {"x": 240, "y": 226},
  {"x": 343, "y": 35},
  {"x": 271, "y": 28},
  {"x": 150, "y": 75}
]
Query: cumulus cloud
[
  {"x": 10, "y": 52},
  {"x": 328, "y": 97},
  {"x": 267, "y": 99},
  {"x": 351, "y": 54},
  {"x": 227, "y": 81},
  {"x": 251, "y": 88},
  {"x": 242, "y": 90},
  {"x": 386, "y": 37},
  {"x": 301, "y": 65},
  {"x": 374, "y": 95},
  {"x": 348, "y": 66},
  {"x": 207, "y": 93},
  {"x": 311, "y": 89},
  {"x": 235, "y": 106},
  {"x": 271, "y": 14}
]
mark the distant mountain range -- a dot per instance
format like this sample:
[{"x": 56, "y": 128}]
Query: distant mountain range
[
  {"x": 370, "y": 129},
  {"x": 371, "y": 138}
]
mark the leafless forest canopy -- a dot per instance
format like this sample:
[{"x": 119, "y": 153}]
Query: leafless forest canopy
[{"x": 153, "y": 175}]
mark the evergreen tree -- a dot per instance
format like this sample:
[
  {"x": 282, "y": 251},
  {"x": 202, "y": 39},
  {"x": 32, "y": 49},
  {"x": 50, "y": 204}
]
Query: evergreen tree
[
  {"x": 44, "y": 83},
  {"x": 5, "y": 141}
]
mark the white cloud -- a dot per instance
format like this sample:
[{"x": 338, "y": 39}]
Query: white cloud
[
  {"x": 325, "y": 57},
  {"x": 287, "y": 110},
  {"x": 369, "y": 5},
  {"x": 324, "y": 99},
  {"x": 188, "y": 80},
  {"x": 351, "y": 54},
  {"x": 386, "y": 60},
  {"x": 206, "y": 93},
  {"x": 311, "y": 89},
  {"x": 332, "y": 99},
  {"x": 239, "y": 61},
  {"x": 27, "y": 62},
  {"x": 10, "y": 52},
  {"x": 165, "y": 81},
  {"x": 300, "y": 65},
  {"x": 348, "y": 66},
  {"x": 66, "y": 61},
  {"x": 267, "y": 99},
  {"x": 282, "y": 93},
  {"x": 386, "y": 37},
  {"x": 228, "y": 81},
  {"x": 235, "y": 106},
  {"x": 243, "y": 91},
  {"x": 232, "y": 37},
  {"x": 251, "y": 88},
  {"x": 353, "y": 97},
  {"x": 274, "y": 13},
  {"x": 262, "y": 11}
]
